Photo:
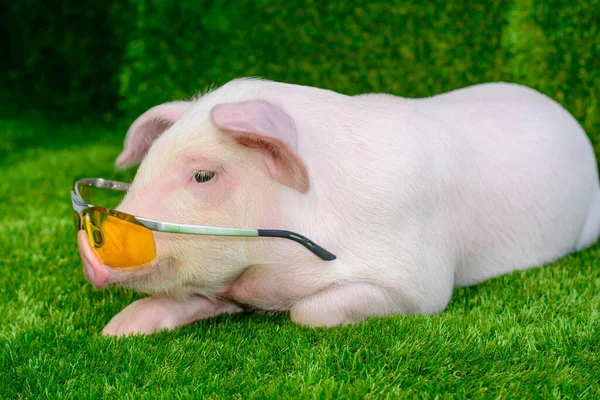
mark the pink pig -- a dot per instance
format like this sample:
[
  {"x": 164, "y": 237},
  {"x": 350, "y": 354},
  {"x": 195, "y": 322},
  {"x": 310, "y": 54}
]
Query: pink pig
[{"x": 414, "y": 196}]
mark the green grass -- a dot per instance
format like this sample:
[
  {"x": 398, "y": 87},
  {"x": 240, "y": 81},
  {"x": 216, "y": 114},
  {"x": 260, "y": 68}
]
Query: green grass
[{"x": 531, "y": 334}]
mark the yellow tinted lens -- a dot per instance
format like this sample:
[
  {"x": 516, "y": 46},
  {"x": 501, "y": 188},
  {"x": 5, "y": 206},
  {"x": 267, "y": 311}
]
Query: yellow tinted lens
[{"x": 118, "y": 239}]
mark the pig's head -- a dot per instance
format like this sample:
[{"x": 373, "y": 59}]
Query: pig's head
[{"x": 213, "y": 164}]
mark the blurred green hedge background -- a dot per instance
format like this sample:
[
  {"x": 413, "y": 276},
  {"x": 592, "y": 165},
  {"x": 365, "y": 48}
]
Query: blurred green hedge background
[{"x": 118, "y": 58}]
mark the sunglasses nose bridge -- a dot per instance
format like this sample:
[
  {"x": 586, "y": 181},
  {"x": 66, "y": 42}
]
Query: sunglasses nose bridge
[{"x": 94, "y": 232}]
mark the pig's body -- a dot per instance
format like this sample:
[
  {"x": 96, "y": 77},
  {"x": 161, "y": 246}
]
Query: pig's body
[
  {"x": 414, "y": 196},
  {"x": 420, "y": 196}
]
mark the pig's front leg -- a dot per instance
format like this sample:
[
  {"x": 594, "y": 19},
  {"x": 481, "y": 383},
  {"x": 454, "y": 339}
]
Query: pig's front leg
[
  {"x": 154, "y": 314},
  {"x": 352, "y": 303}
]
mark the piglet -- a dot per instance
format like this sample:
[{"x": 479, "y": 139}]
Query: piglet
[{"x": 414, "y": 196}]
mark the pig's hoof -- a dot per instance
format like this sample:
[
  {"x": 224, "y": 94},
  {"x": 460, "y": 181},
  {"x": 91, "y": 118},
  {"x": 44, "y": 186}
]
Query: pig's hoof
[
  {"x": 133, "y": 328},
  {"x": 154, "y": 314},
  {"x": 145, "y": 316}
]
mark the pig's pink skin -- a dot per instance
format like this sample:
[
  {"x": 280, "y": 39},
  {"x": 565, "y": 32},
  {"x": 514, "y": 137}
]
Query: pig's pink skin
[
  {"x": 414, "y": 196},
  {"x": 245, "y": 119},
  {"x": 157, "y": 313},
  {"x": 153, "y": 122}
]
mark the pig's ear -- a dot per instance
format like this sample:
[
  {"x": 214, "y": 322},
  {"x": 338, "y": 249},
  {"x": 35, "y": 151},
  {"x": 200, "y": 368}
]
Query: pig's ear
[
  {"x": 263, "y": 126},
  {"x": 146, "y": 128}
]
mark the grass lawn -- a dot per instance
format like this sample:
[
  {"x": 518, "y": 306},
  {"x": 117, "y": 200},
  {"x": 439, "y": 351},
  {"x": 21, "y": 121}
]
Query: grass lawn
[{"x": 525, "y": 335}]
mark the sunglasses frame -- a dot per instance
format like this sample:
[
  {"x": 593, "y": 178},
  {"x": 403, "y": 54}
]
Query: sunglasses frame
[{"x": 80, "y": 205}]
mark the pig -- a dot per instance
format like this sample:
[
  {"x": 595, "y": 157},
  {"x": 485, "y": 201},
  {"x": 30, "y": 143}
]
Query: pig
[{"x": 414, "y": 196}]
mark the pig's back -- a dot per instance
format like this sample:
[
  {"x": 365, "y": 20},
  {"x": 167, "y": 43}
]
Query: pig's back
[
  {"x": 531, "y": 182},
  {"x": 524, "y": 176}
]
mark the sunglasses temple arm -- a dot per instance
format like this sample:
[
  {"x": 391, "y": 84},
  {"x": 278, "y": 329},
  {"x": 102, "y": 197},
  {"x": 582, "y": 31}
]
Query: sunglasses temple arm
[
  {"x": 310, "y": 245},
  {"x": 202, "y": 230}
]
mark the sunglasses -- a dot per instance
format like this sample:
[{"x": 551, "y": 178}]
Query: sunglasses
[{"x": 122, "y": 240}]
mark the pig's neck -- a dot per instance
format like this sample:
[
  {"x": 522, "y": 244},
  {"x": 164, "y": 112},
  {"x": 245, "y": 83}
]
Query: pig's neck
[
  {"x": 279, "y": 286},
  {"x": 282, "y": 271}
]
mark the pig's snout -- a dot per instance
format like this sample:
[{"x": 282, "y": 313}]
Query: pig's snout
[{"x": 95, "y": 271}]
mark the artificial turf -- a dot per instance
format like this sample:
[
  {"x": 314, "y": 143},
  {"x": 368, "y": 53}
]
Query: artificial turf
[
  {"x": 532, "y": 334},
  {"x": 528, "y": 334}
]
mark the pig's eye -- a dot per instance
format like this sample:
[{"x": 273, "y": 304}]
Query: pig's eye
[{"x": 203, "y": 176}]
